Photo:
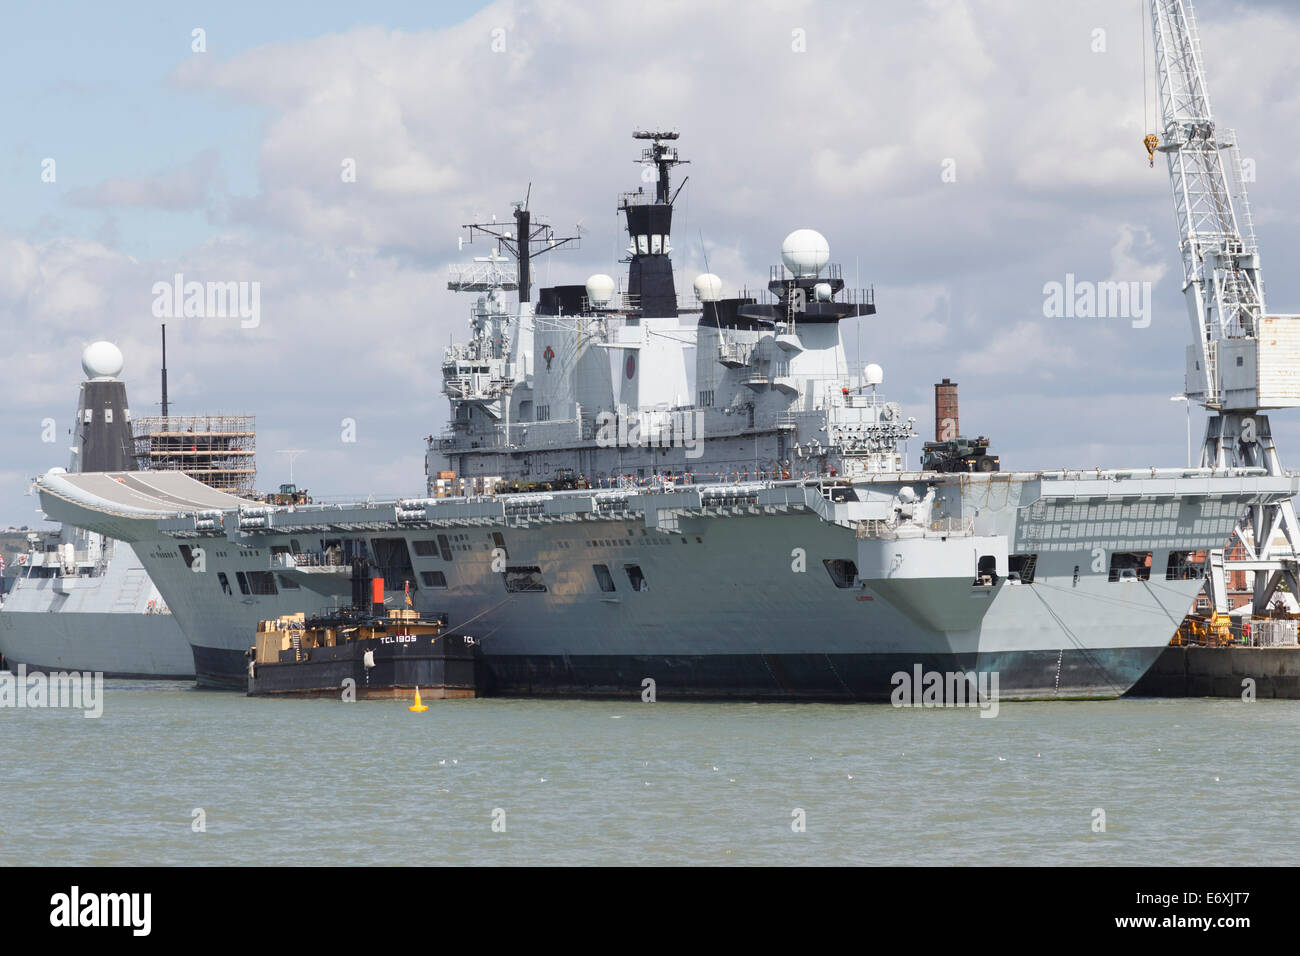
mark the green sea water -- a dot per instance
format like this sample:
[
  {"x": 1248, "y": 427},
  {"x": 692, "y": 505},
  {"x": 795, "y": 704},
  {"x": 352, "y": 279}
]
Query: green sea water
[{"x": 504, "y": 781}]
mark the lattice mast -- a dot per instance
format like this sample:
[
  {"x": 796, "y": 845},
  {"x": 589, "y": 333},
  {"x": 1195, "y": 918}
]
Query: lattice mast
[
  {"x": 1242, "y": 360},
  {"x": 1221, "y": 271}
]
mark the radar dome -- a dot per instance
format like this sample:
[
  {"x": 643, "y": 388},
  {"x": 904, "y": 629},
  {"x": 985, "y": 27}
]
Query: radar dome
[
  {"x": 805, "y": 251},
  {"x": 874, "y": 373},
  {"x": 822, "y": 290},
  {"x": 708, "y": 287},
  {"x": 101, "y": 360},
  {"x": 600, "y": 289}
]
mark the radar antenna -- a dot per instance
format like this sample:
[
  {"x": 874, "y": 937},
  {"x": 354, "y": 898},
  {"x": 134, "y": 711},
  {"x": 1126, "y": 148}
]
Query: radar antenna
[{"x": 528, "y": 240}]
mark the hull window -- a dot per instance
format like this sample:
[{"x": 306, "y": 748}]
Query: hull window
[
  {"x": 844, "y": 573},
  {"x": 636, "y": 578},
  {"x": 1021, "y": 567},
  {"x": 261, "y": 582},
  {"x": 521, "y": 579},
  {"x": 1185, "y": 566},
  {"x": 603, "y": 577},
  {"x": 1127, "y": 566}
]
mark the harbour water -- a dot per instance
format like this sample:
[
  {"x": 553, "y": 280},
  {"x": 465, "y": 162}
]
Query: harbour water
[{"x": 1192, "y": 781}]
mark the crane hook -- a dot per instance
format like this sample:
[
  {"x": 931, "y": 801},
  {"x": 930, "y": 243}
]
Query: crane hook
[{"x": 1151, "y": 142}]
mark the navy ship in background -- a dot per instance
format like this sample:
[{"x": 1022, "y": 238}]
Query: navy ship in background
[
  {"x": 728, "y": 514},
  {"x": 79, "y": 600}
]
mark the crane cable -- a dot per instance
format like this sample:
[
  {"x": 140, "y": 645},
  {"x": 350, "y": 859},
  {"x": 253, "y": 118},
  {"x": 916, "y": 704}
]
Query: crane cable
[{"x": 1150, "y": 141}]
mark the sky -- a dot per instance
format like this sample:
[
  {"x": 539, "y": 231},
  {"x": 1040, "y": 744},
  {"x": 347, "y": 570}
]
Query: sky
[{"x": 958, "y": 156}]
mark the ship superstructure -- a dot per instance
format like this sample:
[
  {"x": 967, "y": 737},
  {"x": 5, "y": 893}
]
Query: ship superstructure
[{"x": 610, "y": 384}]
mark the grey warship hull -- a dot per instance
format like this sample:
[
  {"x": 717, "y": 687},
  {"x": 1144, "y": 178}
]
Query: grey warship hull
[{"x": 722, "y": 591}]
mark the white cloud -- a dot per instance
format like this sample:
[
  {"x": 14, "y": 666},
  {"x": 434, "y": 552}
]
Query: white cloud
[{"x": 848, "y": 137}]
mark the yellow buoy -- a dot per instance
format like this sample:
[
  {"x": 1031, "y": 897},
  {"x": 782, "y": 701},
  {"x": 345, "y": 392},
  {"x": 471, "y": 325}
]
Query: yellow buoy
[{"x": 419, "y": 707}]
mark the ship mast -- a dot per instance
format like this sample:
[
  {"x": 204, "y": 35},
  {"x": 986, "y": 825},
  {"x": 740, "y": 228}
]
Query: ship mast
[
  {"x": 1242, "y": 359},
  {"x": 525, "y": 242}
]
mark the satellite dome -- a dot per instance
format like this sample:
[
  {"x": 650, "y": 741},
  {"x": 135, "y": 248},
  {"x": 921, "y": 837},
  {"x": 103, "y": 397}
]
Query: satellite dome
[
  {"x": 822, "y": 291},
  {"x": 874, "y": 374},
  {"x": 600, "y": 289},
  {"x": 101, "y": 360},
  {"x": 805, "y": 251},
  {"x": 708, "y": 287}
]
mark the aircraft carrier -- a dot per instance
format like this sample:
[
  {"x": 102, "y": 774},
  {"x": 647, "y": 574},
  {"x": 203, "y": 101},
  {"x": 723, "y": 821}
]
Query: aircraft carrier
[{"x": 697, "y": 492}]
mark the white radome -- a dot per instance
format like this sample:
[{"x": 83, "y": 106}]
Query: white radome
[
  {"x": 600, "y": 289},
  {"x": 822, "y": 290},
  {"x": 102, "y": 360},
  {"x": 805, "y": 251},
  {"x": 874, "y": 374},
  {"x": 708, "y": 287}
]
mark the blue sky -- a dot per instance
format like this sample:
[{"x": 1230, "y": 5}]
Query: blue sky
[
  {"x": 224, "y": 165},
  {"x": 89, "y": 85}
]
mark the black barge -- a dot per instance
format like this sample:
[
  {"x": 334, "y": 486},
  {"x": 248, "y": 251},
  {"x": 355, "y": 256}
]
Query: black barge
[{"x": 358, "y": 654}]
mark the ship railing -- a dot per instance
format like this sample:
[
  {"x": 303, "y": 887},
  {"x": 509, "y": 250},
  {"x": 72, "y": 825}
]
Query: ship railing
[
  {"x": 734, "y": 352},
  {"x": 462, "y": 441},
  {"x": 1273, "y": 633},
  {"x": 831, "y": 271},
  {"x": 888, "y": 529},
  {"x": 948, "y": 525}
]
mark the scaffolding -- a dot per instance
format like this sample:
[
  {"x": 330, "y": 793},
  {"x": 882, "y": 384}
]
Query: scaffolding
[{"x": 218, "y": 450}]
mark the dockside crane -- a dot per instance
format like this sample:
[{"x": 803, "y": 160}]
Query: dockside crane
[{"x": 1243, "y": 360}]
